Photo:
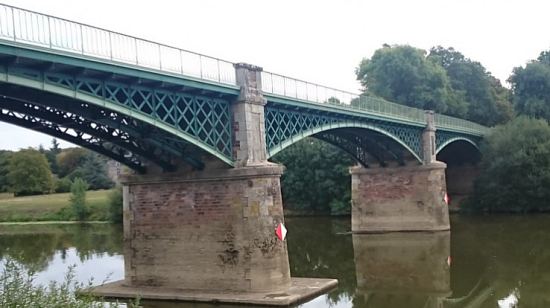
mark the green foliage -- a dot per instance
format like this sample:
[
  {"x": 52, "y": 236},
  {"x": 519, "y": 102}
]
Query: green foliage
[
  {"x": 63, "y": 185},
  {"x": 115, "y": 205},
  {"x": 485, "y": 99},
  {"x": 70, "y": 159},
  {"x": 531, "y": 87},
  {"x": 51, "y": 155},
  {"x": 78, "y": 199},
  {"x": 404, "y": 75},
  {"x": 445, "y": 81},
  {"x": 4, "y": 163},
  {"x": 515, "y": 168},
  {"x": 18, "y": 289},
  {"x": 29, "y": 173},
  {"x": 94, "y": 171},
  {"x": 316, "y": 179}
]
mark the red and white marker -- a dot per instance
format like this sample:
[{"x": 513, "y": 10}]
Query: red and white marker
[
  {"x": 446, "y": 198},
  {"x": 281, "y": 232},
  {"x": 449, "y": 260}
]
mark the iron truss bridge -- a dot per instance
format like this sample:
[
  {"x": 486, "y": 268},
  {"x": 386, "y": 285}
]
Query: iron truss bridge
[{"x": 140, "y": 102}]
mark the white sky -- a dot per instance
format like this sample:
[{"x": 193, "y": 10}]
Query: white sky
[{"x": 318, "y": 41}]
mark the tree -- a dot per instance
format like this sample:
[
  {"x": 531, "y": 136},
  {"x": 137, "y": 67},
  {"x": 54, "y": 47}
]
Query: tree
[
  {"x": 316, "y": 179},
  {"x": 403, "y": 74},
  {"x": 78, "y": 199},
  {"x": 94, "y": 171},
  {"x": 115, "y": 205},
  {"x": 70, "y": 159},
  {"x": 4, "y": 163},
  {"x": 515, "y": 168},
  {"x": 485, "y": 99},
  {"x": 51, "y": 155},
  {"x": 531, "y": 87},
  {"x": 29, "y": 173}
]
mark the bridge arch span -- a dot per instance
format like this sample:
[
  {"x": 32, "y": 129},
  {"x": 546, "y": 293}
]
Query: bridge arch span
[
  {"x": 453, "y": 140},
  {"x": 25, "y": 94},
  {"x": 323, "y": 132}
]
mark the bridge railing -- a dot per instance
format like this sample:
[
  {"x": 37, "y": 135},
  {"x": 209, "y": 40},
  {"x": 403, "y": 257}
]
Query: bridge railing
[
  {"x": 299, "y": 89},
  {"x": 444, "y": 121},
  {"x": 28, "y": 27}
]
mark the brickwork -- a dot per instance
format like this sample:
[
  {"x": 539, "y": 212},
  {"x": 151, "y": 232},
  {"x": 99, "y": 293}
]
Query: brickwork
[
  {"x": 399, "y": 198},
  {"x": 206, "y": 231}
]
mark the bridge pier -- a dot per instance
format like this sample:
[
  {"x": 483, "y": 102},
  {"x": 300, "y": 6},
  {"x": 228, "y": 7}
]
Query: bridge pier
[
  {"x": 407, "y": 198},
  {"x": 402, "y": 198},
  {"x": 210, "y": 236}
]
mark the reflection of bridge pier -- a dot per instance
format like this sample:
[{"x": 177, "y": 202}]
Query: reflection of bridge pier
[{"x": 402, "y": 269}]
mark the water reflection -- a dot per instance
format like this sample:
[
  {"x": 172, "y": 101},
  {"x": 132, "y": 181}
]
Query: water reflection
[
  {"x": 496, "y": 260},
  {"x": 402, "y": 269}
]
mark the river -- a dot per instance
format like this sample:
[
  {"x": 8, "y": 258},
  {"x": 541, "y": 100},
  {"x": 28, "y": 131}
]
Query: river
[{"x": 485, "y": 261}]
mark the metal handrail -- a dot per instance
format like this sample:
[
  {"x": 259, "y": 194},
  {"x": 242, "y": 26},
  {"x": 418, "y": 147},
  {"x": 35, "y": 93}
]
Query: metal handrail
[
  {"x": 28, "y": 27},
  {"x": 25, "y": 26},
  {"x": 303, "y": 90}
]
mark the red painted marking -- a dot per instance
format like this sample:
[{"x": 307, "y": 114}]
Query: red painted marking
[{"x": 281, "y": 232}]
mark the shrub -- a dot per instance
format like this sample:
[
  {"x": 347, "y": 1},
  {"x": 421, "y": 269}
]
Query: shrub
[
  {"x": 515, "y": 168},
  {"x": 115, "y": 205},
  {"x": 18, "y": 289},
  {"x": 78, "y": 199},
  {"x": 63, "y": 185}
]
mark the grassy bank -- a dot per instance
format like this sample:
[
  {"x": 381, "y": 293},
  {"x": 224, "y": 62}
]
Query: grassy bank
[{"x": 54, "y": 207}]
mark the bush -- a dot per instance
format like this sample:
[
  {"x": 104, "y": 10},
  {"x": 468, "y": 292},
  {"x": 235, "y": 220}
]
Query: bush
[
  {"x": 515, "y": 168},
  {"x": 63, "y": 185},
  {"x": 115, "y": 205},
  {"x": 316, "y": 179},
  {"x": 78, "y": 199},
  {"x": 18, "y": 289}
]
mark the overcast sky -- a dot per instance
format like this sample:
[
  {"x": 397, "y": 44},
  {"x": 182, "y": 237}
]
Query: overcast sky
[{"x": 318, "y": 41}]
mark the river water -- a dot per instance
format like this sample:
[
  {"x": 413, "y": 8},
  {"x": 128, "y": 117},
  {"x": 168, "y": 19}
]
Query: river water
[{"x": 485, "y": 261}]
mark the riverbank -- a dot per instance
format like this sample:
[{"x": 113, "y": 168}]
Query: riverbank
[{"x": 52, "y": 208}]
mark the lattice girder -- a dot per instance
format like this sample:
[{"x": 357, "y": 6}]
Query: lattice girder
[
  {"x": 140, "y": 138},
  {"x": 285, "y": 126},
  {"x": 53, "y": 129},
  {"x": 201, "y": 120}
]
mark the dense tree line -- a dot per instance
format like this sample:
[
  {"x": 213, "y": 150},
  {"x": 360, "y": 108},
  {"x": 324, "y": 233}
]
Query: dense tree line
[
  {"x": 442, "y": 79},
  {"x": 515, "y": 169},
  {"x": 30, "y": 171}
]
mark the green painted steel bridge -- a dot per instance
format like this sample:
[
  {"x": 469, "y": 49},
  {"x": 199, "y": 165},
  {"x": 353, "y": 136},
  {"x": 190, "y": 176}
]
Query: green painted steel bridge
[{"x": 140, "y": 102}]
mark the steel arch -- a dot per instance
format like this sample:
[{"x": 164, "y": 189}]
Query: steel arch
[
  {"x": 454, "y": 139},
  {"x": 99, "y": 95},
  {"x": 351, "y": 124}
]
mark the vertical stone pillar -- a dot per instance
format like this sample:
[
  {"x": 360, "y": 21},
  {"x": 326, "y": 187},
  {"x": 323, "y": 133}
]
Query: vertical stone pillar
[
  {"x": 210, "y": 230},
  {"x": 249, "y": 145},
  {"x": 428, "y": 139},
  {"x": 409, "y": 198}
]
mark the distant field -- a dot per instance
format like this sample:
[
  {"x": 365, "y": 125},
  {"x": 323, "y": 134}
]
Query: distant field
[{"x": 52, "y": 207}]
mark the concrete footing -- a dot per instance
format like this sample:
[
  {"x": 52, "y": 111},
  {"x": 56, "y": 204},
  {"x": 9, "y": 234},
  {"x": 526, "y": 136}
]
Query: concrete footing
[
  {"x": 300, "y": 290},
  {"x": 408, "y": 198}
]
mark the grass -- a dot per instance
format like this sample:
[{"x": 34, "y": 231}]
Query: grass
[{"x": 53, "y": 207}]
